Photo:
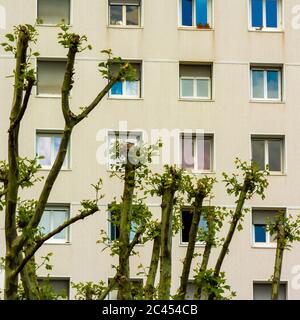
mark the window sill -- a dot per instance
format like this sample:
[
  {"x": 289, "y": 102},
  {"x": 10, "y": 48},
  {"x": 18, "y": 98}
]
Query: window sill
[
  {"x": 194, "y": 29},
  {"x": 264, "y": 246},
  {"x": 277, "y": 174},
  {"x": 197, "y": 245},
  {"x": 58, "y": 243},
  {"x": 52, "y": 25},
  {"x": 195, "y": 100},
  {"x": 124, "y": 98},
  {"x": 265, "y": 30},
  {"x": 49, "y": 169},
  {"x": 267, "y": 101},
  {"x": 47, "y": 96},
  {"x": 125, "y": 27}
]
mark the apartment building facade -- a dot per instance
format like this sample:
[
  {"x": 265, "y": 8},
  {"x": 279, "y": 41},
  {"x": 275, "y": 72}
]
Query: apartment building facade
[{"x": 225, "y": 73}]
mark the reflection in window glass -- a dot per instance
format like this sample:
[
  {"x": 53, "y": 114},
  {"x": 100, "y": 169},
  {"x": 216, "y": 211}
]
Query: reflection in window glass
[
  {"x": 132, "y": 15},
  {"x": 258, "y": 84},
  {"x": 187, "y": 87},
  {"x": 116, "y": 17},
  {"x": 273, "y": 88},
  {"x": 44, "y": 150},
  {"x": 275, "y": 153},
  {"x": 132, "y": 88},
  {"x": 201, "y": 12},
  {"x": 203, "y": 88},
  {"x": 258, "y": 153}
]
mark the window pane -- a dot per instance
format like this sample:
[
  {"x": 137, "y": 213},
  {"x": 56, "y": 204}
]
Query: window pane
[
  {"x": 117, "y": 88},
  {"x": 275, "y": 153},
  {"x": 59, "y": 217},
  {"x": 187, "y": 12},
  {"x": 116, "y": 17},
  {"x": 262, "y": 291},
  {"x": 257, "y": 13},
  {"x": 273, "y": 89},
  {"x": 187, "y": 87},
  {"x": 50, "y": 76},
  {"x": 132, "y": 88},
  {"x": 44, "y": 149},
  {"x": 203, "y": 224},
  {"x": 203, "y": 88},
  {"x": 132, "y": 15},
  {"x": 186, "y": 217},
  {"x": 187, "y": 152},
  {"x": 260, "y": 233},
  {"x": 204, "y": 146},
  {"x": 201, "y": 12},
  {"x": 271, "y": 13},
  {"x": 54, "y": 11},
  {"x": 258, "y": 84},
  {"x": 258, "y": 153},
  {"x": 44, "y": 225}
]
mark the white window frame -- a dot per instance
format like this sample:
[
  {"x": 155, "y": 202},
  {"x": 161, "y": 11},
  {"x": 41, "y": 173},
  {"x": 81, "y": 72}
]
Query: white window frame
[
  {"x": 124, "y": 17},
  {"x": 124, "y": 95},
  {"x": 65, "y": 208},
  {"x": 195, "y": 147},
  {"x": 111, "y": 135},
  {"x": 194, "y": 26},
  {"x": 195, "y": 97},
  {"x": 51, "y": 134},
  {"x": 264, "y": 28},
  {"x": 266, "y": 148},
  {"x": 265, "y": 70},
  {"x": 48, "y": 59},
  {"x": 51, "y": 24}
]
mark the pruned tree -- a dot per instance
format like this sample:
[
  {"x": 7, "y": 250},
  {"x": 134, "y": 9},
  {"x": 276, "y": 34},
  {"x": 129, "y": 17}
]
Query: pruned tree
[
  {"x": 22, "y": 241},
  {"x": 286, "y": 230}
]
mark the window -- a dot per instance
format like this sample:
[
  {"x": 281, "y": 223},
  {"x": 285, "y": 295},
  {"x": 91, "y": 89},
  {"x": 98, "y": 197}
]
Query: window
[
  {"x": 266, "y": 14},
  {"x": 186, "y": 218},
  {"x": 1, "y": 280},
  {"x": 59, "y": 286},
  {"x": 127, "y": 89},
  {"x": 114, "y": 227},
  {"x": 260, "y": 218},
  {"x": 196, "y": 13},
  {"x": 47, "y": 146},
  {"x": 124, "y": 137},
  {"x": 197, "y": 152},
  {"x": 124, "y": 12},
  {"x": 53, "y": 217},
  {"x": 136, "y": 287},
  {"x": 52, "y": 12},
  {"x": 50, "y": 76},
  {"x": 266, "y": 84},
  {"x": 195, "y": 81},
  {"x": 263, "y": 291},
  {"x": 268, "y": 151}
]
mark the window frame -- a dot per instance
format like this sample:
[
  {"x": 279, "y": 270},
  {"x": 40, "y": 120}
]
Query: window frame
[
  {"x": 195, "y": 155},
  {"x": 50, "y": 24},
  {"x": 59, "y": 207},
  {"x": 280, "y": 16},
  {"x": 210, "y": 14},
  {"x": 266, "y": 140},
  {"x": 124, "y": 17},
  {"x": 53, "y": 132},
  {"x": 58, "y": 278},
  {"x": 195, "y": 90},
  {"x": 280, "y": 83},
  {"x": 282, "y": 282},
  {"x": 48, "y": 59}
]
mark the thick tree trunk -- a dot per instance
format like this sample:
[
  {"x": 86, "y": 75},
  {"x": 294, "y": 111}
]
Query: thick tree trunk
[
  {"x": 190, "y": 249},
  {"x": 30, "y": 281},
  {"x": 150, "y": 283},
  {"x": 278, "y": 262},
  {"x": 166, "y": 244},
  {"x": 124, "y": 291}
]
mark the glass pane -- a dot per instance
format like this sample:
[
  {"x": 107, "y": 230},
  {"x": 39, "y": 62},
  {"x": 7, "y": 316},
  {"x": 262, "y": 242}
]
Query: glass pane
[
  {"x": 132, "y": 88},
  {"x": 258, "y": 84},
  {"x": 56, "y": 145},
  {"x": 203, "y": 88},
  {"x": 260, "y": 233},
  {"x": 117, "y": 88},
  {"x": 50, "y": 76},
  {"x": 275, "y": 155},
  {"x": 54, "y": 11},
  {"x": 44, "y": 149},
  {"x": 273, "y": 88},
  {"x": 116, "y": 17},
  {"x": 258, "y": 153},
  {"x": 187, "y": 12},
  {"x": 203, "y": 224},
  {"x": 45, "y": 223},
  {"x": 132, "y": 15},
  {"x": 271, "y": 13},
  {"x": 187, "y": 152},
  {"x": 257, "y": 13},
  {"x": 204, "y": 153},
  {"x": 186, "y": 217},
  {"x": 59, "y": 217},
  {"x": 201, "y": 12},
  {"x": 132, "y": 231},
  {"x": 187, "y": 87}
]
